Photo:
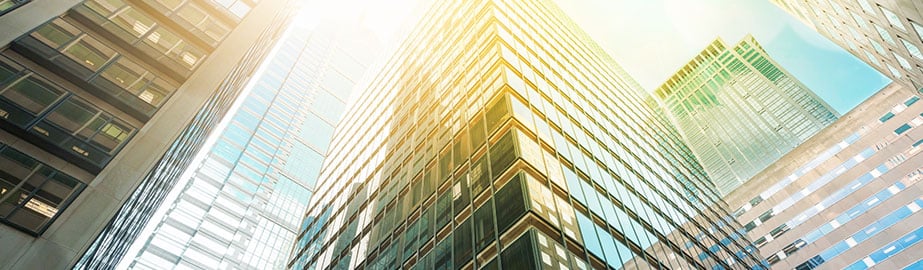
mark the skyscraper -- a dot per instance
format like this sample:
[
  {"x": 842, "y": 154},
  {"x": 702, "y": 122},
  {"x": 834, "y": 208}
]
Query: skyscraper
[
  {"x": 243, "y": 205},
  {"x": 848, "y": 198},
  {"x": 739, "y": 111},
  {"x": 886, "y": 34},
  {"x": 500, "y": 135},
  {"x": 92, "y": 93}
]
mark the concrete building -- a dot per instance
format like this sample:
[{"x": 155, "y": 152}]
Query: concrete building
[
  {"x": 739, "y": 111},
  {"x": 97, "y": 98},
  {"x": 500, "y": 136},
  {"x": 848, "y": 198},
  {"x": 242, "y": 207},
  {"x": 887, "y": 34}
]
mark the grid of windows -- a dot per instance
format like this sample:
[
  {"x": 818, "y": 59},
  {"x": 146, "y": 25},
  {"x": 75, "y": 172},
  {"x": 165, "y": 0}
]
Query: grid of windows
[
  {"x": 32, "y": 194},
  {"x": 739, "y": 111},
  {"x": 844, "y": 196},
  {"x": 511, "y": 161}
]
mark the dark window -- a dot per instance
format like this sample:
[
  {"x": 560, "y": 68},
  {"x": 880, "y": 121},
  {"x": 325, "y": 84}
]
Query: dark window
[
  {"x": 9, "y": 5},
  {"x": 31, "y": 193},
  {"x": 513, "y": 202},
  {"x": 480, "y": 176},
  {"x": 442, "y": 254},
  {"x": 444, "y": 210},
  {"x": 461, "y": 196},
  {"x": 463, "y": 251},
  {"x": 520, "y": 254},
  {"x": 503, "y": 153},
  {"x": 484, "y": 225}
]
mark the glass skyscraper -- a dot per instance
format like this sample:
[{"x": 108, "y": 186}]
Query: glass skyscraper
[
  {"x": 739, "y": 111},
  {"x": 99, "y": 100},
  {"x": 500, "y": 136},
  {"x": 242, "y": 206}
]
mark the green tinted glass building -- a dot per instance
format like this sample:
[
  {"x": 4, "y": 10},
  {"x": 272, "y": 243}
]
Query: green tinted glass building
[
  {"x": 500, "y": 136},
  {"x": 739, "y": 111}
]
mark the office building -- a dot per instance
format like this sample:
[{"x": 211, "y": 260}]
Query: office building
[
  {"x": 243, "y": 205},
  {"x": 848, "y": 198},
  {"x": 739, "y": 111},
  {"x": 95, "y": 96},
  {"x": 887, "y": 34},
  {"x": 500, "y": 136}
]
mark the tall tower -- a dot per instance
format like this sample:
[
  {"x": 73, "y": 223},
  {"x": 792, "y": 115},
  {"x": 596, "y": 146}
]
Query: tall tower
[
  {"x": 242, "y": 207},
  {"x": 848, "y": 198},
  {"x": 93, "y": 94},
  {"x": 887, "y": 34},
  {"x": 500, "y": 135},
  {"x": 739, "y": 111}
]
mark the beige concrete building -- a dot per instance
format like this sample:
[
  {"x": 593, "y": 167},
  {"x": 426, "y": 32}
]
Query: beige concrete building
[
  {"x": 884, "y": 33},
  {"x": 94, "y": 96},
  {"x": 849, "y": 197}
]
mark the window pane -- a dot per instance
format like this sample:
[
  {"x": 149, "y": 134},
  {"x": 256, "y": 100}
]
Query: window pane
[
  {"x": 56, "y": 33},
  {"x": 133, "y": 21},
  {"x": 511, "y": 197},
  {"x": 462, "y": 246},
  {"x": 520, "y": 254},
  {"x": 32, "y": 94},
  {"x": 125, "y": 73},
  {"x": 72, "y": 114},
  {"x": 484, "y": 225},
  {"x": 105, "y": 7},
  {"x": 90, "y": 53}
]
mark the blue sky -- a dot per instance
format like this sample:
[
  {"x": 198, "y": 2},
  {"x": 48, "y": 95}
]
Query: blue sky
[{"x": 652, "y": 39}]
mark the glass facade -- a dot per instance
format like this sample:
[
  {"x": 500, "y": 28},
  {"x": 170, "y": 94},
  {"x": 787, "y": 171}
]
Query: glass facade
[
  {"x": 115, "y": 239},
  {"x": 739, "y": 111},
  {"x": 31, "y": 192},
  {"x": 858, "y": 190},
  {"x": 242, "y": 206},
  {"x": 885, "y": 34},
  {"x": 499, "y": 136}
]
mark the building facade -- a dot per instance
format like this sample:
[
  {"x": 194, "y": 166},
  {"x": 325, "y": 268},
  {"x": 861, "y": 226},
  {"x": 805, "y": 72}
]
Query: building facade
[
  {"x": 739, "y": 111},
  {"x": 93, "y": 93},
  {"x": 849, "y": 198},
  {"x": 242, "y": 207},
  {"x": 887, "y": 34},
  {"x": 500, "y": 136}
]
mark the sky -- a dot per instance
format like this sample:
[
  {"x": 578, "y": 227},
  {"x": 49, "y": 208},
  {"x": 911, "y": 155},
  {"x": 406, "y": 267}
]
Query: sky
[{"x": 652, "y": 39}]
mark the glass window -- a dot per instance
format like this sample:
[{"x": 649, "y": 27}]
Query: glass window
[
  {"x": 442, "y": 254},
  {"x": 105, "y": 7},
  {"x": 480, "y": 176},
  {"x": 32, "y": 94},
  {"x": 484, "y": 225},
  {"x": 133, "y": 21},
  {"x": 126, "y": 74},
  {"x": 72, "y": 115},
  {"x": 512, "y": 197},
  {"x": 56, "y": 33},
  {"x": 89, "y": 52},
  {"x": 503, "y": 153},
  {"x": 893, "y": 19},
  {"x": 462, "y": 243},
  {"x": 31, "y": 193},
  {"x": 520, "y": 254},
  {"x": 444, "y": 210},
  {"x": 497, "y": 113},
  {"x": 9, "y": 5}
]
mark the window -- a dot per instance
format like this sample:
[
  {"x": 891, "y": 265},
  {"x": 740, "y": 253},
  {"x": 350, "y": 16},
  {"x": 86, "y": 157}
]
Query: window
[
  {"x": 893, "y": 19},
  {"x": 503, "y": 153},
  {"x": 512, "y": 197},
  {"x": 56, "y": 33},
  {"x": 9, "y": 5},
  {"x": 520, "y": 253},
  {"x": 31, "y": 193},
  {"x": 484, "y": 226},
  {"x": 32, "y": 94},
  {"x": 913, "y": 49},
  {"x": 462, "y": 245},
  {"x": 89, "y": 52}
]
